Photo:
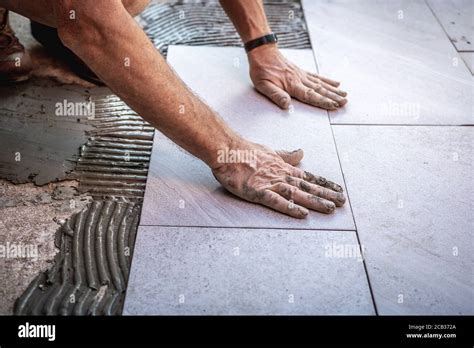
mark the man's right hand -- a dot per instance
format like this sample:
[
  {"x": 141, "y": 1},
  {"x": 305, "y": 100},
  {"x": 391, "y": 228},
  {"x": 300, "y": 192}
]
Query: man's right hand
[{"x": 270, "y": 178}]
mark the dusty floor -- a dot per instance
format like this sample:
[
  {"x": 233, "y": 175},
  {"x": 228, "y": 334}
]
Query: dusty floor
[
  {"x": 29, "y": 218},
  {"x": 30, "y": 215}
]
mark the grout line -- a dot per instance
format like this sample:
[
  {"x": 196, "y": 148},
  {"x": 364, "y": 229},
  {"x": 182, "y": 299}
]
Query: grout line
[
  {"x": 444, "y": 30},
  {"x": 355, "y": 224},
  {"x": 400, "y": 125},
  {"x": 344, "y": 179},
  {"x": 253, "y": 228}
]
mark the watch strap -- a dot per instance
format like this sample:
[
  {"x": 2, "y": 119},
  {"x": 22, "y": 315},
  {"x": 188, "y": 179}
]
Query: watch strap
[{"x": 264, "y": 40}]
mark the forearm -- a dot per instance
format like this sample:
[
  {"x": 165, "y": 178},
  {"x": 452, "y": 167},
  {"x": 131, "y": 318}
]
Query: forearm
[
  {"x": 248, "y": 18},
  {"x": 119, "y": 52}
]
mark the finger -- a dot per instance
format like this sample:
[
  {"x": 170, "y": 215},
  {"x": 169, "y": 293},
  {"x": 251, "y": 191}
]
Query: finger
[
  {"x": 293, "y": 157},
  {"x": 304, "y": 199},
  {"x": 275, "y": 201},
  {"x": 309, "y": 96},
  {"x": 274, "y": 93},
  {"x": 325, "y": 79},
  {"x": 334, "y": 89},
  {"x": 316, "y": 179},
  {"x": 336, "y": 197},
  {"x": 328, "y": 86},
  {"x": 319, "y": 88}
]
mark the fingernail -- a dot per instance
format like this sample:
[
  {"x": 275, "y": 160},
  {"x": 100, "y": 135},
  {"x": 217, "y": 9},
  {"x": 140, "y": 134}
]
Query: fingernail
[
  {"x": 341, "y": 199},
  {"x": 343, "y": 101},
  {"x": 330, "y": 207},
  {"x": 284, "y": 102}
]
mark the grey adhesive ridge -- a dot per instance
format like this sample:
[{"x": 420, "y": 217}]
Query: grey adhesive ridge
[
  {"x": 114, "y": 161},
  {"x": 206, "y": 24},
  {"x": 90, "y": 272}
]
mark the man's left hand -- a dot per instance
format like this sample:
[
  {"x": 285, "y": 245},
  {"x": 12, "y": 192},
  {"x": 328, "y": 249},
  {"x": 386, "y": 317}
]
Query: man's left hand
[{"x": 279, "y": 79}]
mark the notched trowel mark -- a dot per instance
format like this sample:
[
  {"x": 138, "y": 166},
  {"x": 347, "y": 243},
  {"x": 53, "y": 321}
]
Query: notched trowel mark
[{"x": 91, "y": 270}]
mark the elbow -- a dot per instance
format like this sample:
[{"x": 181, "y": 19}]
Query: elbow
[
  {"x": 67, "y": 36},
  {"x": 83, "y": 28},
  {"x": 86, "y": 25},
  {"x": 79, "y": 36}
]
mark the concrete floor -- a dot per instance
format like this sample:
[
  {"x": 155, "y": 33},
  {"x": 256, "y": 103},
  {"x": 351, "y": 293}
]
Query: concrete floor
[{"x": 30, "y": 215}]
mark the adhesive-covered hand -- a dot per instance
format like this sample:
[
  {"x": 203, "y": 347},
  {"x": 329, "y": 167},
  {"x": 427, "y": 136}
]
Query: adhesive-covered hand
[
  {"x": 269, "y": 178},
  {"x": 279, "y": 79}
]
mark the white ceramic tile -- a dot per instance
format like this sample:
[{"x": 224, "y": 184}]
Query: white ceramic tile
[
  {"x": 468, "y": 58},
  {"x": 412, "y": 193},
  {"x": 457, "y": 19},
  {"x": 181, "y": 191},
  {"x": 393, "y": 58},
  {"x": 213, "y": 271}
]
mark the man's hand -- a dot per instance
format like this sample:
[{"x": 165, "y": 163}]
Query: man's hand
[
  {"x": 270, "y": 178},
  {"x": 278, "y": 79}
]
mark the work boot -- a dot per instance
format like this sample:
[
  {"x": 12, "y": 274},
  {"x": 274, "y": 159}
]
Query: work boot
[
  {"x": 15, "y": 62},
  {"x": 49, "y": 38}
]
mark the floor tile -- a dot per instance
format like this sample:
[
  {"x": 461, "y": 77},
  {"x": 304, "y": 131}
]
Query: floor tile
[
  {"x": 394, "y": 59},
  {"x": 457, "y": 19},
  {"x": 468, "y": 58},
  {"x": 217, "y": 271},
  {"x": 412, "y": 193},
  {"x": 181, "y": 190}
]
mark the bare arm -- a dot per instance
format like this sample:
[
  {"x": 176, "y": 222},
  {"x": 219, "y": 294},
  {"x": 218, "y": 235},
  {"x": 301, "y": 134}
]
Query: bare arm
[
  {"x": 104, "y": 35},
  {"x": 248, "y": 18},
  {"x": 119, "y": 52},
  {"x": 272, "y": 74},
  {"x": 109, "y": 41}
]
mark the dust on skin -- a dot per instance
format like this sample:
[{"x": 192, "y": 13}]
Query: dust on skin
[
  {"x": 280, "y": 186},
  {"x": 318, "y": 180}
]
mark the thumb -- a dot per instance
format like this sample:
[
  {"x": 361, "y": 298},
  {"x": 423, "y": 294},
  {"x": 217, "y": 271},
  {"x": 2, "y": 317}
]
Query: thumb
[
  {"x": 274, "y": 93},
  {"x": 293, "y": 157}
]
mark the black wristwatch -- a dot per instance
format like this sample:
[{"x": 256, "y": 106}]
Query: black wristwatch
[{"x": 267, "y": 39}]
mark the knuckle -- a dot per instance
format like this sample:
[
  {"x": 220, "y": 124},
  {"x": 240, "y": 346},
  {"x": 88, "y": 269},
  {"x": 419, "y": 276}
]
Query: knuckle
[
  {"x": 329, "y": 104},
  {"x": 317, "y": 87},
  {"x": 309, "y": 94},
  {"x": 261, "y": 196},
  {"x": 304, "y": 186}
]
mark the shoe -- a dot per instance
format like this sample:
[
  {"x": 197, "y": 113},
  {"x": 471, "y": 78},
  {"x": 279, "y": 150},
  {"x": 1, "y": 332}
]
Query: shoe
[
  {"x": 49, "y": 38},
  {"x": 15, "y": 62}
]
